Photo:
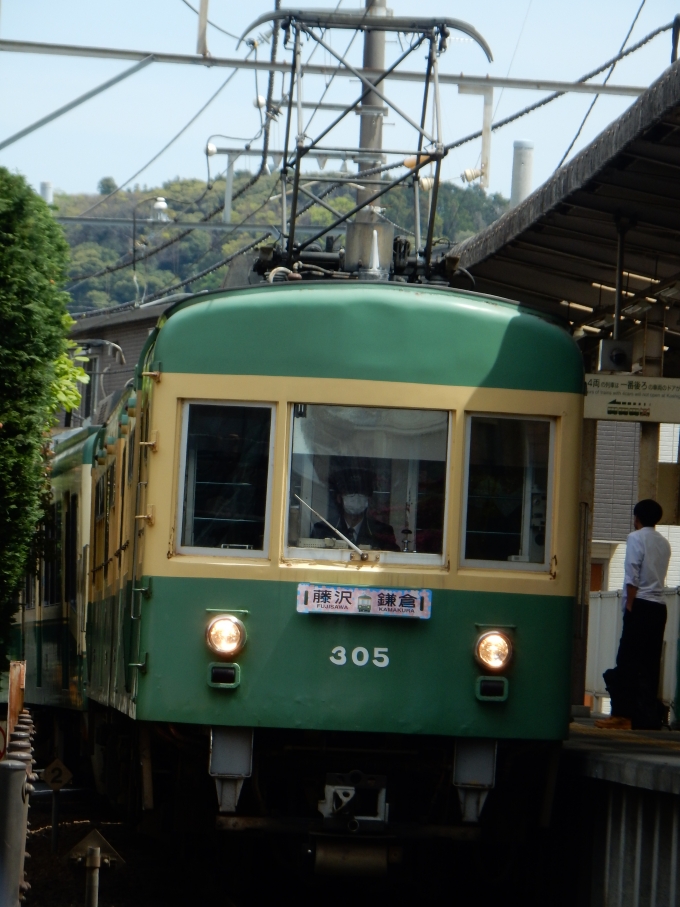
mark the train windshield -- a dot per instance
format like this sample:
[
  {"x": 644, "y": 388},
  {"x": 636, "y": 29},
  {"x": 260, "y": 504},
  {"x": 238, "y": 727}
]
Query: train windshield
[
  {"x": 372, "y": 477},
  {"x": 507, "y": 490},
  {"x": 226, "y": 475}
]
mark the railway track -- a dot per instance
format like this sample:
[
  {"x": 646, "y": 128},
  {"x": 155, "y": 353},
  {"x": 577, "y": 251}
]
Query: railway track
[{"x": 172, "y": 868}]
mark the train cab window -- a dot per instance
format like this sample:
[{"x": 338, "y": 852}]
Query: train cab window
[
  {"x": 226, "y": 479},
  {"x": 507, "y": 515},
  {"x": 373, "y": 477}
]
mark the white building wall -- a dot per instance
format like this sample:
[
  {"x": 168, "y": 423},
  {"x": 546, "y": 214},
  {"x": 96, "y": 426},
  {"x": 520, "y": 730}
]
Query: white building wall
[
  {"x": 616, "y": 471},
  {"x": 669, "y": 436}
]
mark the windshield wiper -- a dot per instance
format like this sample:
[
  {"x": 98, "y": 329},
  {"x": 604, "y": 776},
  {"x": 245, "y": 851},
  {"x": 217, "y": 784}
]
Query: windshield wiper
[{"x": 364, "y": 556}]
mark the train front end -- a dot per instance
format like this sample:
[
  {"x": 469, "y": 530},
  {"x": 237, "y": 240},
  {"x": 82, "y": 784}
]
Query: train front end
[{"x": 355, "y": 531}]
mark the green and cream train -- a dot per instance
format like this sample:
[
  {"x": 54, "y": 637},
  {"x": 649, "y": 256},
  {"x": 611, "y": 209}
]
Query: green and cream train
[{"x": 325, "y": 548}]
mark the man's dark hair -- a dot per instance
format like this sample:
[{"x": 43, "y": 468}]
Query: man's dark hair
[{"x": 649, "y": 512}]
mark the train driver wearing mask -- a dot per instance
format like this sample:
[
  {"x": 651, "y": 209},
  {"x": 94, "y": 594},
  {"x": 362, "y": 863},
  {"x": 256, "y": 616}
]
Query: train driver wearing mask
[{"x": 353, "y": 488}]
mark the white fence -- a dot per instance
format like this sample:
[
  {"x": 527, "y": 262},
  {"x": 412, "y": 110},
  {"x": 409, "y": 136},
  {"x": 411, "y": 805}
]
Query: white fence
[{"x": 604, "y": 631}]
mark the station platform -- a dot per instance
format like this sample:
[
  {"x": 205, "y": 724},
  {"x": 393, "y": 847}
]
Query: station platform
[
  {"x": 649, "y": 760},
  {"x": 623, "y": 789}
]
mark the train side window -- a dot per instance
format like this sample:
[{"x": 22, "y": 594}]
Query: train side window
[
  {"x": 88, "y": 403},
  {"x": 227, "y": 455},
  {"x": 507, "y": 494},
  {"x": 99, "y": 499},
  {"x": 131, "y": 457},
  {"x": 29, "y": 589},
  {"x": 110, "y": 503},
  {"x": 98, "y": 550},
  {"x": 375, "y": 477},
  {"x": 71, "y": 550},
  {"x": 52, "y": 565}
]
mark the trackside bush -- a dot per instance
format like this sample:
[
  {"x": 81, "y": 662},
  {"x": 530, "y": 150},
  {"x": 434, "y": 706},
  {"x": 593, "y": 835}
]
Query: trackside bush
[{"x": 37, "y": 374}]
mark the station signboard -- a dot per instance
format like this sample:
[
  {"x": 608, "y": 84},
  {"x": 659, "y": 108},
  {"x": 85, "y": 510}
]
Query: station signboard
[{"x": 632, "y": 398}]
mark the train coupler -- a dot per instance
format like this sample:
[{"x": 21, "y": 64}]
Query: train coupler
[{"x": 354, "y": 802}]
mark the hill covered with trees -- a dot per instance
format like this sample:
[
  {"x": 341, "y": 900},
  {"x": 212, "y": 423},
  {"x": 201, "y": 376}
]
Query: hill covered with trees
[{"x": 101, "y": 272}]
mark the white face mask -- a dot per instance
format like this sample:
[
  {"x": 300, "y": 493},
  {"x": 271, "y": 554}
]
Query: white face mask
[{"x": 354, "y": 504}]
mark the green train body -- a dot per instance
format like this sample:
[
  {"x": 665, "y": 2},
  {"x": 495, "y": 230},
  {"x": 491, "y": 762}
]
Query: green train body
[{"x": 488, "y": 381}]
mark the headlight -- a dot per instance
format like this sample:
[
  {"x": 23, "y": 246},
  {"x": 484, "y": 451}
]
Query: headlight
[
  {"x": 226, "y": 635},
  {"x": 493, "y": 650}
]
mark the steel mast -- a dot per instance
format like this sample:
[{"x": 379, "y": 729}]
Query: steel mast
[
  {"x": 372, "y": 107},
  {"x": 360, "y": 243}
]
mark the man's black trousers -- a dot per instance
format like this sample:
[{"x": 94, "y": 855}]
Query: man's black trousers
[{"x": 634, "y": 682}]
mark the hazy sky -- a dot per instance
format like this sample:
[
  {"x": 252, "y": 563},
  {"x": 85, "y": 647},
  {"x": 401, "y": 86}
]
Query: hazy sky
[{"x": 117, "y": 132}]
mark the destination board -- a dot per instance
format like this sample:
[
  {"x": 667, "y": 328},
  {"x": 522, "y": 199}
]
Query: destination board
[{"x": 358, "y": 600}]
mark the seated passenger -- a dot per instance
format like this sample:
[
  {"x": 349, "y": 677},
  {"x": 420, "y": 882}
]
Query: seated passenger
[{"x": 353, "y": 488}]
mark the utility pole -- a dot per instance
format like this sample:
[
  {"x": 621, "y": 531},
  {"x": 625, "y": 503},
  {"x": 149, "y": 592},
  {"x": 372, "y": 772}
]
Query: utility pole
[
  {"x": 369, "y": 237},
  {"x": 371, "y": 111},
  {"x": 229, "y": 189},
  {"x": 202, "y": 42}
]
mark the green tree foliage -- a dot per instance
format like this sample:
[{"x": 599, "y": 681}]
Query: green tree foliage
[
  {"x": 94, "y": 248},
  {"x": 39, "y": 371},
  {"x": 106, "y": 185},
  {"x": 460, "y": 212}
]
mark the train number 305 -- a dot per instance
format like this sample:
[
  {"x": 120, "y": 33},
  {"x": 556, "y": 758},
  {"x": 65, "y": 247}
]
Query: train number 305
[{"x": 361, "y": 656}]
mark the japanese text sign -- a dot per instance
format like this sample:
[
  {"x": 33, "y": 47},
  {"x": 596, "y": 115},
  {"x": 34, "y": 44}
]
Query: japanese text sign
[
  {"x": 316, "y": 599},
  {"x": 632, "y": 398}
]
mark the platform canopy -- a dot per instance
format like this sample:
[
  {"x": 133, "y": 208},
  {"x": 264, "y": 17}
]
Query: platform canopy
[{"x": 557, "y": 250}]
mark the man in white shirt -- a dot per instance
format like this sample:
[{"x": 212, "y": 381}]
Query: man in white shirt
[{"x": 634, "y": 682}]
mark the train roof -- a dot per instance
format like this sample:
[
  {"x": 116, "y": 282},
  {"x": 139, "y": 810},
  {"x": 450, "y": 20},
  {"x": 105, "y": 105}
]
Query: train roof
[
  {"x": 73, "y": 447},
  {"x": 370, "y": 331}
]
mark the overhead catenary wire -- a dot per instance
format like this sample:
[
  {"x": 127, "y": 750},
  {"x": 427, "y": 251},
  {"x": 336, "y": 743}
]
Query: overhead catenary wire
[
  {"x": 140, "y": 258},
  {"x": 251, "y": 182},
  {"x": 76, "y": 102},
  {"x": 543, "y": 102},
  {"x": 384, "y": 168},
  {"x": 236, "y": 227},
  {"x": 558, "y": 94},
  {"x": 400, "y": 228},
  {"x": 605, "y": 80},
  {"x": 514, "y": 54},
  {"x": 213, "y": 24},
  {"x": 168, "y": 144},
  {"x": 257, "y": 95},
  {"x": 263, "y": 167},
  {"x": 242, "y": 223},
  {"x": 380, "y": 169},
  {"x": 220, "y": 264},
  {"x": 330, "y": 81}
]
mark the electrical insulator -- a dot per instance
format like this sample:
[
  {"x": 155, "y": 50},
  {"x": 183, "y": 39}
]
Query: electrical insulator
[
  {"x": 469, "y": 176},
  {"x": 411, "y": 162}
]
